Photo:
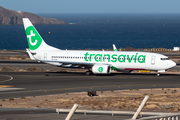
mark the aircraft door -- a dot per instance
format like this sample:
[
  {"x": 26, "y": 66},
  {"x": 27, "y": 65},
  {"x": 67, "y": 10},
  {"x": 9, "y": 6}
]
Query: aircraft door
[
  {"x": 45, "y": 56},
  {"x": 153, "y": 60}
]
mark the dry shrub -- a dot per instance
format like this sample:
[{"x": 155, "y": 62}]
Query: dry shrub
[
  {"x": 4, "y": 57},
  {"x": 9, "y": 69},
  {"x": 34, "y": 69},
  {"x": 11, "y": 99},
  {"x": 23, "y": 97}
]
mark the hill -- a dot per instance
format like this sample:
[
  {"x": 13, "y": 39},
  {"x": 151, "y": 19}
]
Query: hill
[{"x": 11, "y": 17}]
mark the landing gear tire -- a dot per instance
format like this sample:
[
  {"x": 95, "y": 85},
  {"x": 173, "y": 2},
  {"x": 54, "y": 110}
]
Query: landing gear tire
[
  {"x": 88, "y": 73},
  {"x": 158, "y": 74}
]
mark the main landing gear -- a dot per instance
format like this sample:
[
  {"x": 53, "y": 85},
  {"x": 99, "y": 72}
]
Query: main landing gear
[{"x": 89, "y": 73}]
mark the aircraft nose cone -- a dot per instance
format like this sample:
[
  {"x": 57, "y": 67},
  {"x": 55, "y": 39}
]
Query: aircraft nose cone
[{"x": 172, "y": 64}]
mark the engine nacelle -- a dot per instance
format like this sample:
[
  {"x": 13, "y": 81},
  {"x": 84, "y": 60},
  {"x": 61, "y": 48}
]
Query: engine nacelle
[{"x": 101, "y": 69}]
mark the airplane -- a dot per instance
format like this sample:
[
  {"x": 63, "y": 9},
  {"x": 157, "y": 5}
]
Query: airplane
[{"x": 95, "y": 62}]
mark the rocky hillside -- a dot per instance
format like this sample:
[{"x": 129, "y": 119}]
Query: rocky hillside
[{"x": 10, "y": 17}]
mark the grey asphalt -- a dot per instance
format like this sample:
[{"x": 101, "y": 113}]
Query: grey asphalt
[
  {"x": 15, "y": 53},
  {"x": 36, "y": 84},
  {"x": 50, "y": 114},
  {"x": 24, "y": 64},
  {"x": 20, "y": 62},
  {"x": 45, "y": 83}
]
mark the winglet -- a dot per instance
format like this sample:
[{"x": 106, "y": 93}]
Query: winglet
[{"x": 114, "y": 48}]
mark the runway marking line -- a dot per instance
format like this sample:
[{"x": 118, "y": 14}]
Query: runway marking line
[{"x": 11, "y": 78}]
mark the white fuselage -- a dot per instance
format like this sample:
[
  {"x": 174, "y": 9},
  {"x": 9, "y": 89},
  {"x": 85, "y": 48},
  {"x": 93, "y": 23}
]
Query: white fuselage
[{"x": 121, "y": 60}]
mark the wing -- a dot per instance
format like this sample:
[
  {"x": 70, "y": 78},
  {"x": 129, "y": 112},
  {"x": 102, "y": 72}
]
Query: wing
[{"x": 70, "y": 64}]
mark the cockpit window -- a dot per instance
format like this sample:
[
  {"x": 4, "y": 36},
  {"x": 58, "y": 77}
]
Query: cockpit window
[{"x": 164, "y": 58}]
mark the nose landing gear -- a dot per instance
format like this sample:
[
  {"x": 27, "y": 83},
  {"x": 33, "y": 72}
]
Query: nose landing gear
[
  {"x": 89, "y": 73},
  {"x": 158, "y": 74}
]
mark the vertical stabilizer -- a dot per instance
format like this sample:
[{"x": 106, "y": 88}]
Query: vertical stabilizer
[{"x": 34, "y": 39}]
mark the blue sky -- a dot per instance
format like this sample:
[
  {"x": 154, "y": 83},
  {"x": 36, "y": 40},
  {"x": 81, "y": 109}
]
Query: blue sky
[{"x": 93, "y": 6}]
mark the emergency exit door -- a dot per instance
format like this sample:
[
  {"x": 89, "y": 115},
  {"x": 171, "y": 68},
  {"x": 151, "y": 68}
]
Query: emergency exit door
[{"x": 153, "y": 58}]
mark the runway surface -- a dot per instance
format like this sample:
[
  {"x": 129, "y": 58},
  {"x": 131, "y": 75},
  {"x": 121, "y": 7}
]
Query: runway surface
[
  {"x": 50, "y": 114},
  {"x": 19, "y": 84},
  {"x": 24, "y": 64}
]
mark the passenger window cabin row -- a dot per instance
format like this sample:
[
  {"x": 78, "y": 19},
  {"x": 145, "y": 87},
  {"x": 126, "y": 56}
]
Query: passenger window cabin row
[{"x": 70, "y": 57}]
